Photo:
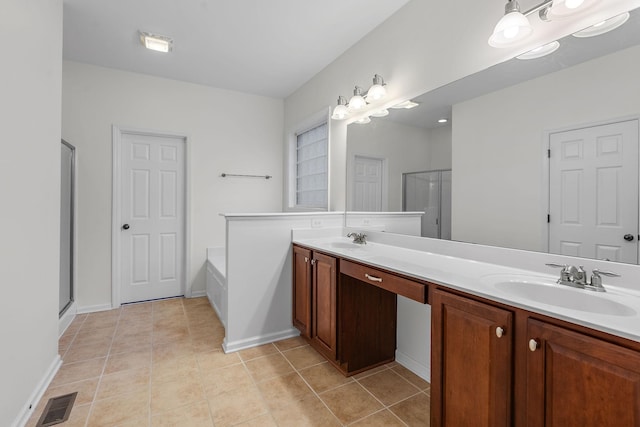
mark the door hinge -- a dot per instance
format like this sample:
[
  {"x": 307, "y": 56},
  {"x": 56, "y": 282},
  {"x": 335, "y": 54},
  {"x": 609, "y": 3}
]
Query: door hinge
[
  {"x": 549, "y": 153},
  {"x": 548, "y": 218}
]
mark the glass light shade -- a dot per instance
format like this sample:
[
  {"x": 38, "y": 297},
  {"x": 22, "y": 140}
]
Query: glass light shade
[
  {"x": 364, "y": 120},
  {"x": 512, "y": 28},
  {"x": 408, "y": 104},
  {"x": 357, "y": 102},
  {"x": 376, "y": 92},
  {"x": 564, "y": 8},
  {"x": 380, "y": 113},
  {"x": 540, "y": 51},
  {"x": 604, "y": 26},
  {"x": 340, "y": 112}
]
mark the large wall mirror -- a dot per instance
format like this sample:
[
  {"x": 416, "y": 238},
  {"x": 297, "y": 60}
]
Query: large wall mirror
[{"x": 496, "y": 183}]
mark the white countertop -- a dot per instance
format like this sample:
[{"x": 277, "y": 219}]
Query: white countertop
[{"x": 478, "y": 278}]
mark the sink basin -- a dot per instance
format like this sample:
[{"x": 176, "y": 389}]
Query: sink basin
[
  {"x": 545, "y": 290},
  {"x": 345, "y": 245}
]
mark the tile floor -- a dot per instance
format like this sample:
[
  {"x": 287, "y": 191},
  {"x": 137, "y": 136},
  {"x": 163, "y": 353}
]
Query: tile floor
[{"x": 161, "y": 364}]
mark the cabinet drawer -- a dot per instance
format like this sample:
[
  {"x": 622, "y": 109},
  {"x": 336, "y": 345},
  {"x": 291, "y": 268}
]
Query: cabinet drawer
[{"x": 389, "y": 281}]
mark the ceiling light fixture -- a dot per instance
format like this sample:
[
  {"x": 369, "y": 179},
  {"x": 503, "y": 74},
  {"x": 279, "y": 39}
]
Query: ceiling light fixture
[
  {"x": 515, "y": 27},
  {"x": 604, "y": 26},
  {"x": 380, "y": 113},
  {"x": 156, "y": 42},
  {"x": 540, "y": 51},
  {"x": 364, "y": 120},
  {"x": 360, "y": 100},
  {"x": 408, "y": 104}
]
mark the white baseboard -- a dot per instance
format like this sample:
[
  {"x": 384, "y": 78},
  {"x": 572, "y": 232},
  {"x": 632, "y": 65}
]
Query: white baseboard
[
  {"x": 198, "y": 294},
  {"x": 94, "y": 308},
  {"x": 230, "y": 347},
  {"x": 35, "y": 397},
  {"x": 66, "y": 319},
  {"x": 420, "y": 370}
]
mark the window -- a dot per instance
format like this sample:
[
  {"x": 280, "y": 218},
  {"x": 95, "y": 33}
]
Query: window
[{"x": 311, "y": 167}]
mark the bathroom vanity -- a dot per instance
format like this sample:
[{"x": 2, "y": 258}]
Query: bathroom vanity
[{"x": 498, "y": 358}]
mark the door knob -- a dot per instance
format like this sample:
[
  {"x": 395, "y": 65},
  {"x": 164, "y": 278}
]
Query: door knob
[
  {"x": 533, "y": 345},
  {"x": 125, "y": 227},
  {"x": 628, "y": 237},
  {"x": 499, "y": 332}
]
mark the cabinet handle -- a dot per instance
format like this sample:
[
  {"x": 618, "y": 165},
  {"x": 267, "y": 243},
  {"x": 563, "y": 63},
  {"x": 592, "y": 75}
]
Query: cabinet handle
[
  {"x": 373, "y": 278},
  {"x": 533, "y": 344},
  {"x": 499, "y": 332},
  {"x": 313, "y": 262},
  {"x": 306, "y": 259}
]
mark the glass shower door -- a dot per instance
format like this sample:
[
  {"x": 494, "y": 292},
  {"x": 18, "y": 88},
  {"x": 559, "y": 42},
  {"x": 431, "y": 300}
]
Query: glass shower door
[{"x": 429, "y": 192}]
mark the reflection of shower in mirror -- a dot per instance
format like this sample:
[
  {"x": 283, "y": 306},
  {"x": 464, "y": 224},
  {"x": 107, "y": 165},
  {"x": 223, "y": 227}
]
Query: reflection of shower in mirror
[{"x": 429, "y": 192}]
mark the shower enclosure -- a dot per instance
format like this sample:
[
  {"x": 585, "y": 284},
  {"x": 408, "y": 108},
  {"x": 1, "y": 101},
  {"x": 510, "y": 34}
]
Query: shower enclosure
[
  {"x": 67, "y": 182},
  {"x": 429, "y": 191}
]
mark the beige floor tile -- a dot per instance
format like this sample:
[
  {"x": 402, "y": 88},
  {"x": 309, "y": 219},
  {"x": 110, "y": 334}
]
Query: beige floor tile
[
  {"x": 195, "y": 415},
  {"x": 135, "y": 422},
  {"x": 282, "y": 391},
  {"x": 411, "y": 377},
  {"x": 173, "y": 337},
  {"x": 303, "y": 357},
  {"x": 174, "y": 394},
  {"x": 167, "y": 351},
  {"x": 65, "y": 341},
  {"x": 138, "y": 308},
  {"x": 350, "y": 402},
  {"x": 74, "y": 372},
  {"x": 125, "y": 361},
  {"x": 224, "y": 379},
  {"x": 76, "y": 352},
  {"x": 119, "y": 410},
  {"x": 132, "y": 381},
  {"x": 236, "y": 406},
  {"x": 370, "y": 372},
  {"x": 324, "y": 377},
  {"x": 134, "y": 325},
  {"x": 267, "y": 367},
  {"x": 265, "y": 420},
  {"x": 382, "y": 418},
  {"x": 259, "y": 351},
  {"x": 129, "y": 344},
  {"x": 175, "y": 369},
  {"x": 89, "y": 339},
  {"x": 290, "y": 343},
  {"x": 414, "y": 411},
  {"x": 388, "y": 387},
  {"x": 309, "y": 412},
  {"x": 207, "y": 344},
  {"x": 216, "y": 359}
]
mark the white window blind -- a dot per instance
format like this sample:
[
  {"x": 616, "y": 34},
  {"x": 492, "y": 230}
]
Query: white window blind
[{"x": 312, "y": 167}]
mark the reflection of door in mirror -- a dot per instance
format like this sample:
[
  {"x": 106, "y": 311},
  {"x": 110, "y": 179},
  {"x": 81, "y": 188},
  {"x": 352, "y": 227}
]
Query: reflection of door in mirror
[
  {"x": 593, "y": 192},
  {"x": 367, "y": 182},
  {"x": 429, "y": 192}
]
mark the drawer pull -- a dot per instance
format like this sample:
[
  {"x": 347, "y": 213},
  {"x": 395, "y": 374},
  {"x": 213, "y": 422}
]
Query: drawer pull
[{"x": 373, "y": 278}]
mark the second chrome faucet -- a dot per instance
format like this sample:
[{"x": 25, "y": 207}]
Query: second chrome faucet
[{"x": 577, "y": 277}]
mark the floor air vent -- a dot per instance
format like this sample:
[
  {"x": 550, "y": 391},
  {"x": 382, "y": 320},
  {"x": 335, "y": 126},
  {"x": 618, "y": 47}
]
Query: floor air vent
[{"x": 57, "y": 410}]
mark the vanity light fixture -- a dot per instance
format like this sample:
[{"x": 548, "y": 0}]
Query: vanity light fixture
[
  {"x": 156, "y": 42},
  {"x": 364, "y": 120},
  {"x": 540, "y": 51},
  {"x": 359, "y": 101},
  {"x": 380, "y": 113},
  {"x": 515, "y": 27},
  {"x": 604, "y": 26}
]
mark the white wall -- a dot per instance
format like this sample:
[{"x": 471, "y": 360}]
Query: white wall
[
  {"x": 498, "y": 143},
  {"x": 227, "y": 132},
  {"x": 30, "y": 192}
]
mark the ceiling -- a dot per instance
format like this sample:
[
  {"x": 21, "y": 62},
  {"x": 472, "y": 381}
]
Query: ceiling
[{"x": 263, "y": 47}]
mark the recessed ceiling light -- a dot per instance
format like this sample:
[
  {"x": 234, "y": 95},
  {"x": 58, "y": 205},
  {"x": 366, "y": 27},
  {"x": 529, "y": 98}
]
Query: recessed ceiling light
[
  {"x": 540, "y": 51},
  {"x": 443, "y": 120},
  {"x": 406, "y": 104},
  {"x": 156, "y": 42},
  {"x": 604, "y": 26}
]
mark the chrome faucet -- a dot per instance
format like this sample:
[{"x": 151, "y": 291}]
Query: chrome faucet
[
  {"x": 359, "y": 238},
  {"x": 576, "y": 277}
]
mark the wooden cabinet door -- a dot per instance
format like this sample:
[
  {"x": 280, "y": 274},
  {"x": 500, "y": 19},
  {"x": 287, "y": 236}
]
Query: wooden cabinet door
[
  {"x": 574, "y": 380},
  {"x": 324, "y": 321},
  {"x": 471, "y": 364},
  {"x": 302, "y": 290}
]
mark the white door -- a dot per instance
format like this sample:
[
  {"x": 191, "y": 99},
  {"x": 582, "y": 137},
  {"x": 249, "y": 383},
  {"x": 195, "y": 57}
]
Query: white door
[
  {"x": 152, "y": 217},
  {"x": 367, "y": 194},
  {"x": 593, "y": 194}
]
